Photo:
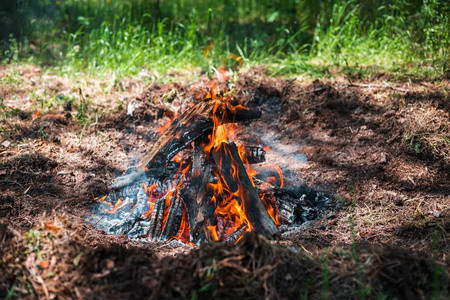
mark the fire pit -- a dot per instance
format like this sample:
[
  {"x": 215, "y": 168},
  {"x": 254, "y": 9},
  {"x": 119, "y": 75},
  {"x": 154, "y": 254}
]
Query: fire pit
[{"x": 195, "y": 184}]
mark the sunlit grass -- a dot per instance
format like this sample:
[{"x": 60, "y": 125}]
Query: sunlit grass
[{"x": 126, "y": 38}]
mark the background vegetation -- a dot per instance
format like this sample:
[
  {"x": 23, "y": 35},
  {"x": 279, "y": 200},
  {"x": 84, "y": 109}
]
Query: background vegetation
[{"x": 290, "y": 37}]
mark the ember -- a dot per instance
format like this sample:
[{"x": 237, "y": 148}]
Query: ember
[{"x": 209, "y": 192}]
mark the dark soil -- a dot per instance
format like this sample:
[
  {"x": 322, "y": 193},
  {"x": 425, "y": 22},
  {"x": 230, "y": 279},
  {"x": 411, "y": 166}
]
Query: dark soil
[{"x": 382, "y": 150}]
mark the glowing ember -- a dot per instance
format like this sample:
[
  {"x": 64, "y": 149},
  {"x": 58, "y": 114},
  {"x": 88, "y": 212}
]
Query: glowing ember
[{"x": 116, "y": 207}]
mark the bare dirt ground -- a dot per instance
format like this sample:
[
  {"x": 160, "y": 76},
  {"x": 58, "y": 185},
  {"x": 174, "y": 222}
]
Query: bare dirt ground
[{"x": 381, "y": 147}]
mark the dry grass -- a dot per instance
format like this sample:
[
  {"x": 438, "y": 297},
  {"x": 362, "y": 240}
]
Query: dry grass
[
  {"x": 44, "y": 262},
  {"x": 427, "y": 129}
]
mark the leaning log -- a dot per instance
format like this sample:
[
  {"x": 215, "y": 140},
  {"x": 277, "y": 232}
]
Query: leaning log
[
  {"x": 228, "y": 161},
  {"x": 195, "y": 122},
  {"x": 197, "y": 198},
  {"x": 175, "y": 206},
  {"x": 156, "y": 219}
]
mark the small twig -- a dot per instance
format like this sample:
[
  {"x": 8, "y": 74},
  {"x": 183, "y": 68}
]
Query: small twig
[
  {"x": 312, "y": 92},
  {"x": 381, "y": 86}
]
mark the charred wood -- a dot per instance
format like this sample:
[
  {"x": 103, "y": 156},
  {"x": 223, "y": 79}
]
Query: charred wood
[
  {"x": 255, "y": 154},
  {"x": 173, "y": 211},
  {"x": 299, "y": 206},
  {"x": 192, "y": 124},
  {"x": 154, "y": 230},
  {"x": 156, "y": 175},
  {"x": 234, "y": 237},
  {"x": 139, "y": 206},
  {"x": 200, "y": 210},
  {"x": 228, "y": 160}
]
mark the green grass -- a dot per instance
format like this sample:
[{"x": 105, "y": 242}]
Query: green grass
[{"x": 295, "y": 37}]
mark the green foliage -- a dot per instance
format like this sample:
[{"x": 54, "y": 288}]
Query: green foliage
[
  {"x": 292, "y": 37},
  {"x": 325, "y": 276}
]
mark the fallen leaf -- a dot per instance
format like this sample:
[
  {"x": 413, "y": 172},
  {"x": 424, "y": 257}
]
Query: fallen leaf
[
  {"x": 45, "y": 264},
  {"x": 50, "y": 225},
  {"x": 36, "y": 114}
]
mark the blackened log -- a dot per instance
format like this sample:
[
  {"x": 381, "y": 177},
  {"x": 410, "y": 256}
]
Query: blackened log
[
  {"x": 255, "y": 154},
  {"x": 195, "y": 122},
  {"x": 156, "y": 175},
  {"x": 197, "y": 199},
  {"x": 198, "y": 158},
  {"x": 205, "y": 209},
  {"x": 156, "y": 219},
  {"x": 234, "y": 237},
  {"x": 240, "y": 114},
  {"x": 174, "y": 207},
  {"x": 228, "y": 160},
  {"x": 141, "y": 205}
]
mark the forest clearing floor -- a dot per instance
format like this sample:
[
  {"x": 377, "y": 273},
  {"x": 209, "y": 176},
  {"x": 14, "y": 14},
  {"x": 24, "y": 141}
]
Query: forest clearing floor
[{"x": 381, "y": 146}]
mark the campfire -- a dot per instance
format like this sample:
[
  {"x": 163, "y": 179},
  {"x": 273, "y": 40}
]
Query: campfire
[{"x": 195, "y": 184}]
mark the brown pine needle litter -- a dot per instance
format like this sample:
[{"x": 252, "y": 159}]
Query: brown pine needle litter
[{"x": 51, "y": 264}]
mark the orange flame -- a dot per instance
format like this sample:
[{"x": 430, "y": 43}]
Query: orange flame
[
  {"x": 103, "y": 199},
  {"x": 229, "y": 201},
  {"x": 280, "y": 174},
  {"x": 214, "y": 233},
  {"x": 229, "y": 209},
  {"x": 116, "y": 207},
  {"x": 272, "y": 208},
  {"x": 183, "y": 231},
  {"x": 151, "y": 199},
  {"x": 172, "y": 195}
]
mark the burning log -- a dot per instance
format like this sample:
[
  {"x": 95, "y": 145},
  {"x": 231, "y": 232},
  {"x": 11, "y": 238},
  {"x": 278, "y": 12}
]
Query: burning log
[
  {"x": 154, "y": 231},
  {"x": 194, "y": 123},
  {"x": 166, "y": 216},
  {"x": 175, "y": 206},
  {"x": 200, "y": 209},
  {"x": 228, "y": 166}
]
